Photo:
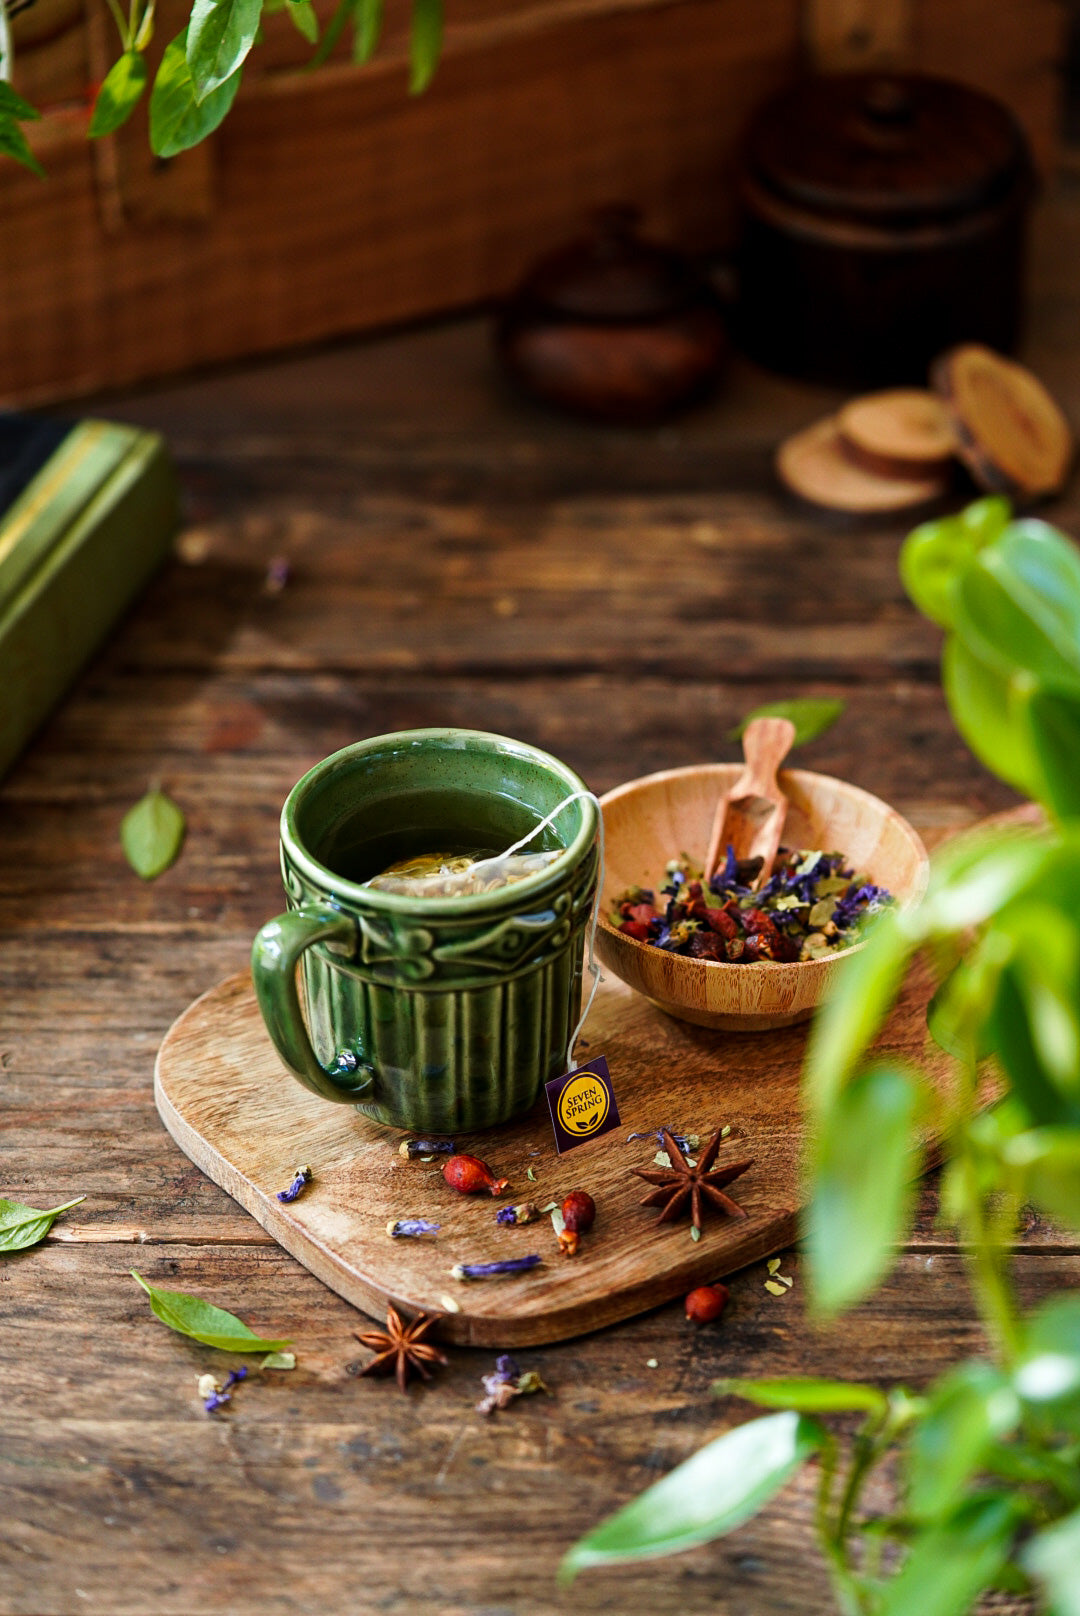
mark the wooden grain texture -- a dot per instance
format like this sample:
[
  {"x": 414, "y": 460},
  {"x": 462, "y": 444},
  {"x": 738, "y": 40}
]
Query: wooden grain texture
[
  {"x": 400, "y": 474},
  {"x": 649, "y": 821}
]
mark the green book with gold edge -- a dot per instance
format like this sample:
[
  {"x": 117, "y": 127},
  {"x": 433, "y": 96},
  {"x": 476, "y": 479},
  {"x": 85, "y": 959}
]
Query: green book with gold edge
[{"x": 87, "y": 514}]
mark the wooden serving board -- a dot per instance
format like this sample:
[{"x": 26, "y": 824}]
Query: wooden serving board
[{"x": 226, "y": 1100}]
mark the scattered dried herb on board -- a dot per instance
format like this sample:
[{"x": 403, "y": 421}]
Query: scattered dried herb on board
[
  {"x": 152, "y": 834},
  {"x": 811, "y": 906},
  {"x": 506, "y": 1383},
  {"x": 703, "y": 1184}
]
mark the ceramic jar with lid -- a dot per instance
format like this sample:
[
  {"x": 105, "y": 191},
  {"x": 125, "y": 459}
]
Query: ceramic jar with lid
[
  {"x": 614, "y": 326},
  {"x": 884, "y": 221}
]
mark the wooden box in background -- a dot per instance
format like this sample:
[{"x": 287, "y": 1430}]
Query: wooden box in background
[{"x": 333, "y": 202}]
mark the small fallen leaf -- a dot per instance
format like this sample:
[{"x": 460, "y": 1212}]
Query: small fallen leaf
[
  {"x": 24, "y": 1226},
  {"x": 662, "y": 1159},
  {"x": 202, "y": 1321},
  {"x": 774, "y": 1289},
  {"x": 152, "y": 834}
]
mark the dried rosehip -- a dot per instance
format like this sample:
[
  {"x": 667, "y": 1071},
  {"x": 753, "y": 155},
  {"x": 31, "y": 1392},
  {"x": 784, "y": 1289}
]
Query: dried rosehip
[
  {"x": 758, "y": 948},
  {"x": 635, "y": 928},
  {"x": 706, "y": 945},
  {"x": 641, "y": 912},
  {"x": 468, "y": 1174},
  {"x": 579, "y": 1215},
  {"x": 706, "y": 1303},
  {"x": 720, "y": 921}
]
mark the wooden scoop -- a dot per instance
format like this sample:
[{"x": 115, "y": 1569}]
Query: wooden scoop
[{"x": 750, "y": 818}]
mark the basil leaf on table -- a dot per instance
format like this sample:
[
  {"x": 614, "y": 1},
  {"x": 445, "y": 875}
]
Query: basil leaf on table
[
  {"x": 708, "y": 1495},
  {"x": 202, "y": 1321},
  {"x": 24, "y": 1226},
  {"x": 119, "y": 94},
  {"x": 812, "y": 716},
  {"x": 152, "y": 834}
]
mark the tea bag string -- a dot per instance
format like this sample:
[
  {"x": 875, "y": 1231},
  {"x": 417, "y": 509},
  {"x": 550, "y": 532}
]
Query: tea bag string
[{"x": 594, "y": 919}]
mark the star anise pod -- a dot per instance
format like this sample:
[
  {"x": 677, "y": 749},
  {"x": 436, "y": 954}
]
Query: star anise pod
[
  {"x": 400, "y": 1348},
  {"x": 700, "y": 1184}
]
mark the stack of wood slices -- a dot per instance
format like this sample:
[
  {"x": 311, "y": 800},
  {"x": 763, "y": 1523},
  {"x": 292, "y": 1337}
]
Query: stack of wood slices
[{"x": 894, "y": 450}]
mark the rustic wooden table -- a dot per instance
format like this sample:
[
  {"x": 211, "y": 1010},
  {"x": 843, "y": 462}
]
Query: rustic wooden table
[{"x": 455, "y": 557}]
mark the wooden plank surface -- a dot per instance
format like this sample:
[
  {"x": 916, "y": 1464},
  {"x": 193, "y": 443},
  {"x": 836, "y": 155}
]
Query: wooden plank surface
[{"x": 118, "y": 1496}]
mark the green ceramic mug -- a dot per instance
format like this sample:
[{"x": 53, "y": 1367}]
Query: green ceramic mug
[{"x": 432, "y": 1014}]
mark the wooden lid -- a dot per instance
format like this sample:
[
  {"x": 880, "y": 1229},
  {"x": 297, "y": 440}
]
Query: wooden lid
[
  {"x": 891, "y": 150},
  {"x": 612, "y": 275}
]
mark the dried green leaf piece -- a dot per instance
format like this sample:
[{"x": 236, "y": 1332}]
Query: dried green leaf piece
[
  {"x": 119, "y": 94},
  {"x": 152, "y": 834},
  {"x": 202, "y": 1321},
  {"x": 24, "y": 1226},
  {"x": 279, "y": 1360},
  {"x": 812, "y": 716}
]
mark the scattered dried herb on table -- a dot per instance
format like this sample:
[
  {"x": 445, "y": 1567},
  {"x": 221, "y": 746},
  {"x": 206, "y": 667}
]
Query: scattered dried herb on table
[{"x": 811, "y": 906}]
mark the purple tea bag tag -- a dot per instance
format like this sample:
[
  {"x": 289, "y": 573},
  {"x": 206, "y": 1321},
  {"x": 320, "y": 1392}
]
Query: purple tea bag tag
[{"x": 582, "y": 1104}]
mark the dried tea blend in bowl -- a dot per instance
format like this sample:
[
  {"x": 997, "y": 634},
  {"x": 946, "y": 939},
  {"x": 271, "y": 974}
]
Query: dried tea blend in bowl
[{"x": 812, "y": 906}]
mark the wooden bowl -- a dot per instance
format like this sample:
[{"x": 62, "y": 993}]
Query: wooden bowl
[{"x": 661, "y": 816}]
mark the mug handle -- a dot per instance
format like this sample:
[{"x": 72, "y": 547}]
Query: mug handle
[{"x": 275, "y": 955}]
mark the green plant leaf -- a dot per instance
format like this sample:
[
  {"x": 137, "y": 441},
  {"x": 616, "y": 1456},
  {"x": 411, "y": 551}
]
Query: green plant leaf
[
  {"x": 1051, "y": 1162},
  {"x": 119, "y": 94},
  {"x": 177, "y": 119},
  {"x": 1018, "y": 604},
  {"x": 864, "y": 1160},
  {"x": 851, "y": 1017},
  {"x": 977, "y": 875},
  {"x": 806, "y": 1396},
  {"x": 425, "y": 43},
  {"x": 1048, "y": 1373},
  {"x": 334, "y": 30},
  {"x": 13, "y": 143},
  {"x": 367, "y": 28},
  {"x": 152, "y": 834},
  {"x": 191, "y": 1316},
  {"x": 982, "y": 702},
  {"x": 711, "y": 1493},
  {"x": 24, "y": 1226},
  {"x": 812, "y": 716},
  {"x": 279, "y": 1360},
  {"x": 304, "y": 19},
  {"x": 951, "y": 1564},
  {"x": 12, "y": 105},
  {"x": 971, "y": 1407},
  {"x": 219, "y": 37},
  {"x": 933, "y": 557},
  {"x": 1054, "y": 1558},
  {"x": 1053, "y": 722}
]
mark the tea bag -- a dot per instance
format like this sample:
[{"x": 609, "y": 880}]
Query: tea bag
[{"x": 459, "y": 875}]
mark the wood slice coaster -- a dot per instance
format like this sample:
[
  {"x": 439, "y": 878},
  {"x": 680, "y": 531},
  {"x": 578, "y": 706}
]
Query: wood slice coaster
[
  {"x": 224, "y": 1097},
  {"x": 1011, "y": 434},
  {"x": 904, "y": 432},
  {"x": 814, "y": 464}
]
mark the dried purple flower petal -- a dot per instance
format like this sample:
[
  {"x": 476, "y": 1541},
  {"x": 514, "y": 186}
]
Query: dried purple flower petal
[
  {"x": 411, "y": 1227},
  {"x": 506, "y": 1368},
  {"x": 411, "y": 1148},
  {"x": 235, "y": 1375},
  {"x": 492, "y": 1270},
  {"x": 302, "y": 1178},
  {"x": 277, "y": 575},
  {"x": 524, "y": 1212}
]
